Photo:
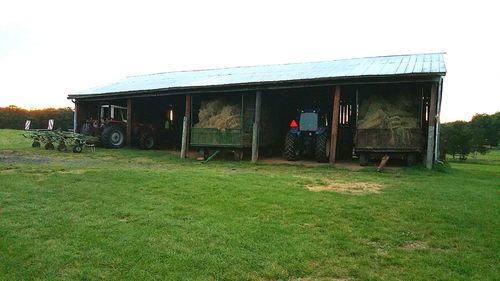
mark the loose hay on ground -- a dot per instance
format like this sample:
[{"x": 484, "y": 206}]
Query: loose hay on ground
[
  {"x": 416, "y": 245},
  {"x": 347, "y": 187}
]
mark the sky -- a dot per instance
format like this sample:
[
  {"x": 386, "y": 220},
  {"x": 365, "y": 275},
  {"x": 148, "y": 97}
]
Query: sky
[{"x": 49, "y": 49}]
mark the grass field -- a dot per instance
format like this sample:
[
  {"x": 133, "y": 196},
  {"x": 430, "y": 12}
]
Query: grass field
[{"x": 147, "y": 215}]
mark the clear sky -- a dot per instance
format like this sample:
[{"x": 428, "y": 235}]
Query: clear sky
[{"x": 49, "y": 49}]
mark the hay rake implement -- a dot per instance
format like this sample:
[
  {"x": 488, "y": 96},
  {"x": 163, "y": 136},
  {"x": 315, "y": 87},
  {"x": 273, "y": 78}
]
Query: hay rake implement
[{"x": 62, "y": 139}]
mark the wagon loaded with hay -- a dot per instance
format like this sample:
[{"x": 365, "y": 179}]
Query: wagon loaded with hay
[
  {"x": 226, "y": 123},
  {"x": 389, "y": 124}
]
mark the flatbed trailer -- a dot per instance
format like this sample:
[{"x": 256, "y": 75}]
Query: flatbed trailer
[
  {"x": 402, "y": 143},
  {"x": 213, "y": 140}
]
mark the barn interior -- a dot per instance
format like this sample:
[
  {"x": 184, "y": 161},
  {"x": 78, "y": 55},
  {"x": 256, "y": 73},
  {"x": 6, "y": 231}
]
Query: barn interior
[
  {"x": 286, "y": 105},
  {"x": 393, "y": 106},
  {"x": 361, "y": 106},
  {"x": 163, "y": 113},
  {"x": 279, "y": 108},
  {"x": 392, "y": 118}
]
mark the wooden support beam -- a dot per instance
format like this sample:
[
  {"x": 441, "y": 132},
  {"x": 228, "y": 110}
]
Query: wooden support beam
[
  {"x": 437, "y": 145},
  {"x": 185, "y": 127},
  {"x": 129, "y": 122},
  {"x": 81, "y": 110},
  {"x": 187, "y": 110},
  {"x": 429, "y": 159},
  {"x": 256, "y": 127},
  {"x": 75, "y": 118},
  {"x": 335, "y": 124}
]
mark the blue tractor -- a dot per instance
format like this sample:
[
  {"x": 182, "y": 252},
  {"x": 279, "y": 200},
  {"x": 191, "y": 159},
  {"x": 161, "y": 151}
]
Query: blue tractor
[{"x": 308, "y": 136}]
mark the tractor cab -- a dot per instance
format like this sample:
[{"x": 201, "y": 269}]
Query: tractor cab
[
  {"x": 309, "y": 121},
  {"x": 308, "y": 136},
  {"x": 113, "y": 112}
]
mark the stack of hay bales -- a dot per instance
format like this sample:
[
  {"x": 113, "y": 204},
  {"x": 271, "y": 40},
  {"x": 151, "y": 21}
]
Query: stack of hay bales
[{"x": 218, "y": 114}]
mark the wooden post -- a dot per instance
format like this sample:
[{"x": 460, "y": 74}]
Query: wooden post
[
  {"x": 383, "y": 162},
  {"x": 185, "y": 127},
  {"x": 429, "y": 159},
  {"x": 187, "y": 110},
  {"x": 75, "y": 118},
  {"x": 81, "y": 108},
  {"x": 256, "y": 128},
  {"x": 129, "y": 122},
  {"x": 335, "y": 125},
  {"x": 437, "y": 144},
  {"x": 184, "y": 137}
]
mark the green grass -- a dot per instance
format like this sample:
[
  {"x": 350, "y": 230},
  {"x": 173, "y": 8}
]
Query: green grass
[{"x": 147, "y": 215}]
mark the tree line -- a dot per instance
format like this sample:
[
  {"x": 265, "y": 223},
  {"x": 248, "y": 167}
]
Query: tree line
[
  {"x": 461, "y": 138},
  {"x": 13, "y": 117}
]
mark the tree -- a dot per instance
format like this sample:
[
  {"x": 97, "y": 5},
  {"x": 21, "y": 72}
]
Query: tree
[
  {"x": 462, "y": 138},
  {"x": 456, "y": 137},
  {"x": 13, "y": 117}
]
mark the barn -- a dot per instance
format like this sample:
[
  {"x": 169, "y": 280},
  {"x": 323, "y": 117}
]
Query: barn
[{"x": 362, "y": 108}]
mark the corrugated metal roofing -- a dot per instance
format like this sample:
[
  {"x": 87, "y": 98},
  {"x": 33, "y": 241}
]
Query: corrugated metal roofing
[{"x": 432, "y": 64}]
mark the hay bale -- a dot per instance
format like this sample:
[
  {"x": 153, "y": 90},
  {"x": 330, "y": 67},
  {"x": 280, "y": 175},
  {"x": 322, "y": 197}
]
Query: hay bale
[
  {"x": 384, "y": 113},
  {"x": 374, "y": 119},
  {"x": 398, "y": 113},
  {"x": 219, "y": 114}
]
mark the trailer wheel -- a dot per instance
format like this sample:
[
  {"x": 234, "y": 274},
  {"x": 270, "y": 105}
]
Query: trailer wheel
[
  {"x": 147, "y": 141},
  {"x": 291, "y": 149},
  {"x": 363, "y": 159},
  {"x": 77, "y": 149},
  {"x": 411, "y": 159},
  {"x": 49, "y": 146},
  {"x": 35, "y": 144},
  {"x": 322, "y": 149},
  {"x": 62, "y": 147},
  {"x": 113, "y": 137}
]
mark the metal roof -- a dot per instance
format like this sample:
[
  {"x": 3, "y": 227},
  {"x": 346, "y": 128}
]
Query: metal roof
[{"x": 398, "y": 65}]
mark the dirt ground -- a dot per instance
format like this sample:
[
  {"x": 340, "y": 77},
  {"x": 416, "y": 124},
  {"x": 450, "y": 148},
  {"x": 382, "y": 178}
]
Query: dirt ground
[
  {"x": 12, "y": 157},
  {"x": 352, "y": 165}
]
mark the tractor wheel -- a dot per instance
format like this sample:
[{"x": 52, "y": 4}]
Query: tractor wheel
[
  {"x": 113, "y": 137},
  {"x": 77, "y": 149},
  {"x": 35, "y": 144},
  {"x": 363, "y": 159},
  {"x": 322, "y": 149},
  {"x": 411, "y": 159},
  {"x": 62, "y": 147},
  {"x": 147, "y": 141},
  {"x": 86, "y": 129},
  {"x": 291, "y": 147},
  {"x": 49, "y": 146}
]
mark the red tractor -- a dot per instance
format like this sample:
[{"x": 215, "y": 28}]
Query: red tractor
[{"x": 111, "y": 127}]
